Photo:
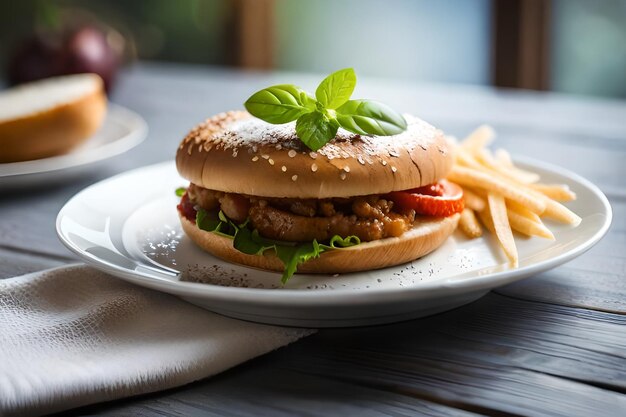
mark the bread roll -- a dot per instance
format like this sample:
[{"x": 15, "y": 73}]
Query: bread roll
[{"x": 50, "y": 117}]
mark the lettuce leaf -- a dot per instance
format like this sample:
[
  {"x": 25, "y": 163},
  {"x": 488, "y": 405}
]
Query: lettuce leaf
[{"x": 249, "y": 241}]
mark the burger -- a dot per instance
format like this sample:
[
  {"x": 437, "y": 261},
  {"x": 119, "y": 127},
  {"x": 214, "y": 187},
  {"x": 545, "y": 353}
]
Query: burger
[{"x": 258, "y": 196}]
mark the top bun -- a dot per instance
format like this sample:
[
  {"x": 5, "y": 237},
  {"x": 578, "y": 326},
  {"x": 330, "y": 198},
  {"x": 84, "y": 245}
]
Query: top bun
[{"x": 237, "y": 153}]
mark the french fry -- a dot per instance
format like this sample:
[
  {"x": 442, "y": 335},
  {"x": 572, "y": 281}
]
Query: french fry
[
  {"x": 485, "y": 218},
  {"x": 559, "y": 212},
  {"x": 484, "y": 157},
  {"x": 479, "y": 138},
  {"x": 522, "y": 194},
  {"x": 474, "y": 178},
  {"x": 469, "y": 224},
  {"x": 497, "y": 208},
  {"x": 527, "y": 226},
  {"x": 504, "y": 197},
  {"x": 556, "y": 192},
  {"x": 555, "y": 210},
  {"x": 504, "y": 158},
  {"x": 523, "y": 211},
  {"x": 473, "y": 200},
  {"x": 463, "y": 157}
]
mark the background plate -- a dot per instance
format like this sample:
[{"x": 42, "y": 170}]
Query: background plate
[
  {"x": 128, "y": 226},
  {"x": 122, "y": 130}
]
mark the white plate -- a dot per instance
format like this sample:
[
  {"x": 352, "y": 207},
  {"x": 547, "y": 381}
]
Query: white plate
[
  {"x": 128, "y": 226},
  {"x": 122, "y": 130}
]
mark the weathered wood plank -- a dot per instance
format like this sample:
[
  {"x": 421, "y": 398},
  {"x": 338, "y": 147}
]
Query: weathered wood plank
[
  {"x": 14, "y": 263},
  {"x": 575, "y": 288},
  {"x": 190, "y": 88},
  {"x": 28, "y": 217},
  {"x": 260, "y": 389},
  {"x": 498, "y": 355}
]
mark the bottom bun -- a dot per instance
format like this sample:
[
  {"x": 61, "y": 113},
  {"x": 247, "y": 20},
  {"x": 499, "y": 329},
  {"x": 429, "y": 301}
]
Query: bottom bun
[{"x": 426, "y": 235}]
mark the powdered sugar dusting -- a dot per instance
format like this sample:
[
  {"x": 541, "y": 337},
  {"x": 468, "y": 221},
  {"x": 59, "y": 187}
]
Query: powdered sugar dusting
[{"x": 236, "y": 130}]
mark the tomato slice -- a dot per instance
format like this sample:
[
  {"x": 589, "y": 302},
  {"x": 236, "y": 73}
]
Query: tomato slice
[
  {"x": 441, "y": 199},
  {"x": 186, "y": 208}
]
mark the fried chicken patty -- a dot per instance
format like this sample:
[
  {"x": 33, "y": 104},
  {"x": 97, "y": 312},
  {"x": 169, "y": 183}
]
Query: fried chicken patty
[{"x": 369, "y": 217}]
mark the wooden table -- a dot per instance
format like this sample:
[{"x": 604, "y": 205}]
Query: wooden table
[{"x": 554, "y": 344}]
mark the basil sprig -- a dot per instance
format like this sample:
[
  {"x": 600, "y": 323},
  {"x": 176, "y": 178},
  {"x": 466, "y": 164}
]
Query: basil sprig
[
  {"x": 250, "y": 242},
  {"x": 317, "y": 119},
  {"x": 315, "y": 129},
  {"x": 336, "y": 89},
  {"x": 280, "y": 103}
]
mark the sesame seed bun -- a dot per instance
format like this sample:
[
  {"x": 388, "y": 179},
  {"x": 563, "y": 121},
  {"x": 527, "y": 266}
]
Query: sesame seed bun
[
  {"x": 427, "y": 234},
  {"x": 234, "y": 152}
]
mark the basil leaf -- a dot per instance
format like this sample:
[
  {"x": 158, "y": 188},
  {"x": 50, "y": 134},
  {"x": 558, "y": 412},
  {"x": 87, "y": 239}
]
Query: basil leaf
[
  {"x": 280, "y": 103},
  {"x": 336, "y": 89},
  {"x": 367, "y": 117},
  {"x": 315, "y": 129},
  {"x": 180, "y": 191}
]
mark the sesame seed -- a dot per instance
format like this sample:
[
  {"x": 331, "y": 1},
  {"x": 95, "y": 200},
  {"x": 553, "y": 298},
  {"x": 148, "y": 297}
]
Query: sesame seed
[
  {"x": 255, "y": 158},
  {"x": 265, "y": 156},
  {"x": 314, "y": 167},
  {"x": 313, "y": 155},
  {"x": 384, "y": 162},
  {"x": 279, "y": 146},
  {"x": 292, "y": 153},
  {"x": 342, "y": 176},
  {"x": 271, "y": 161},
  {"x": 254, "y": 148},
  {"x": 360, "y": 159},
  {"x": 394, "y": 169},
  {"x": 346, "y": 168},
  {"x": 293, "y": 178},
  {"x": 283, "y": 168}
]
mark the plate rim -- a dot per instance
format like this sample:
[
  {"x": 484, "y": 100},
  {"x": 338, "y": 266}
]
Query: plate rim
[
  {"x": 284, "y": 297},
  {"x": 108, "y": 150}
]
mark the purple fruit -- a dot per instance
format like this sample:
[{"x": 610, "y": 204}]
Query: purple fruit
[
  {"x": 34, "y": 58},
  {"x": 85, "y": 49}
]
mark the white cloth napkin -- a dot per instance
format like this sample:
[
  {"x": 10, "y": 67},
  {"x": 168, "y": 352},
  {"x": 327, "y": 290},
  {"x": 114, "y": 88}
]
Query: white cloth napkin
[{"x": 73, "y": 336}]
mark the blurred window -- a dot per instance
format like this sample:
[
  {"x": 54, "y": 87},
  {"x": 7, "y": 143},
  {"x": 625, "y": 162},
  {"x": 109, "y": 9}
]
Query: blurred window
[
  {"x": 572, "y": 46},
  {"x": 444, "y": 41},
  {"x": 589, "y": 47}
]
